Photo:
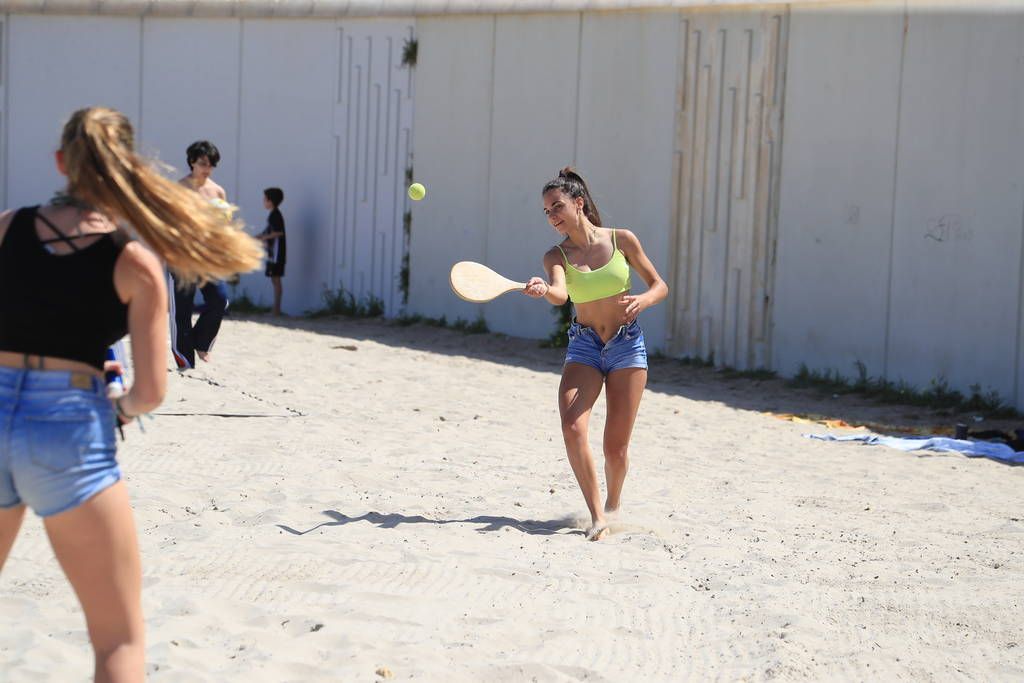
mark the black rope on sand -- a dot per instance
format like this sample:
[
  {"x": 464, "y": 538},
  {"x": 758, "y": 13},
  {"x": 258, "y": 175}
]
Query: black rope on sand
[{"x": 214, "y": 383}]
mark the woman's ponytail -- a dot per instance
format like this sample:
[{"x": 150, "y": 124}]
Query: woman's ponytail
[
  {"x": 572, "y": 183},
  {"x": 197, "y": 240}
]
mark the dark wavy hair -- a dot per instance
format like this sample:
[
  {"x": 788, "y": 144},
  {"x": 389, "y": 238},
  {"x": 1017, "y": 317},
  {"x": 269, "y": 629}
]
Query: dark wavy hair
[
  {"x": 202, "y": 148},
  {"x": 572, "y": 183}
]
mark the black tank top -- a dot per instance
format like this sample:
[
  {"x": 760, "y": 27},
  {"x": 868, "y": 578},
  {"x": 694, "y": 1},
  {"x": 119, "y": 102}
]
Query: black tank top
[{"x": 63, "y": 306}]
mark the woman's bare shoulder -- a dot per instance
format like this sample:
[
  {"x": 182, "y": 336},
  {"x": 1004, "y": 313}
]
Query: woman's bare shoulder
[
  {"x": 140, "y": 261},
  {"x": 556, "y": 250},
  {"x": 5, "y": 221},
  {"x": 626, "y": 236}
]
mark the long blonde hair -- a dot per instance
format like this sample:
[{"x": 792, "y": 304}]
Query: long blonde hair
[{"x": 197, "y": 240}]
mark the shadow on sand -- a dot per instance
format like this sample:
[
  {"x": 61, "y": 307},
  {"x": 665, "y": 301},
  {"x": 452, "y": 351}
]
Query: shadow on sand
[
  {"x": 489, "y": 522},
  {"x": 667, "y": 376}
]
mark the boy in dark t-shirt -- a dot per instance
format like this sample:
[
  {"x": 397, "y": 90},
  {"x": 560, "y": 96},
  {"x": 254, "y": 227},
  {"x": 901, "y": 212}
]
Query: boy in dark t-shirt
[{"x": 277, "y": 246}]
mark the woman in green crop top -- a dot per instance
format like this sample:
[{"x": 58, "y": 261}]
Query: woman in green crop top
[{"x": 591, "y": 268}]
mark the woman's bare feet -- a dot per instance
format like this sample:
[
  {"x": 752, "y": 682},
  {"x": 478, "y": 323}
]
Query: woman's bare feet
[
  {"x": 598, "y": 530},
  {"x": 203, "y": 356}
]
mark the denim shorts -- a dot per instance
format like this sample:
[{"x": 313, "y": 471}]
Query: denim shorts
[
  {"x": 625, "y": 350},
  {"x": 57, "y": 447}
]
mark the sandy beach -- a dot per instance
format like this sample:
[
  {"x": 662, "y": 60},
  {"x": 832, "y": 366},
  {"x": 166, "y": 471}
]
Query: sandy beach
[{"x": 353, "y": 500}]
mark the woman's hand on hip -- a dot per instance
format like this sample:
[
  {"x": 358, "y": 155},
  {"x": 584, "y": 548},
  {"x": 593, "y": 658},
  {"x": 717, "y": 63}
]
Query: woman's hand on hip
[{"x": 632, "y": 307}]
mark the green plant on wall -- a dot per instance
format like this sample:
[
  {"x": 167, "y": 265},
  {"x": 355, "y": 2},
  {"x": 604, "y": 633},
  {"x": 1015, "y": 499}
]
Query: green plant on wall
[
  {"x": 243, "y": 303},
  {"x": 559, "y": 337},
  {"x": 409, "y": 50},
  {"x": 342, "y": 302},
  {"x": 938, "y": 395}
]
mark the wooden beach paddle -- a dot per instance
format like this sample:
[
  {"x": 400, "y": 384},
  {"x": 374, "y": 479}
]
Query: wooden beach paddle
[{"x": 477, "y": 283}]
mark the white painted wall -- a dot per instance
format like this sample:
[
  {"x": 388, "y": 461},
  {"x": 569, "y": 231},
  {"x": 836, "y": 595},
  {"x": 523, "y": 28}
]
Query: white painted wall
[
  {"x": 372, "y": 111},
  {"x": 189, "y": 91},
  {"x": 596, "y": 91},
  {"x": 264, "y": 91},
  {"x": 838, "y": 169},
  {"x": 284, "y": 133},
  {"x": 454, "y": 78},
  {"x": 956, "y": 282},
  {"x": 901, "y": 215},
  {"x": 45, "y": 85},
  {"x": 625, "y": 129}
]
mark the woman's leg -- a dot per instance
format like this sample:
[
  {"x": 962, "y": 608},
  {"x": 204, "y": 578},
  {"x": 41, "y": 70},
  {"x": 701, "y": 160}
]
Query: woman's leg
[
  {"x": 577, "y": 392},
  {"x": 97, "y": 547},
  {"x": 276, "y": 282},
  {"x": 10, "y": 522},
  {"x": 624, "y": 389}
]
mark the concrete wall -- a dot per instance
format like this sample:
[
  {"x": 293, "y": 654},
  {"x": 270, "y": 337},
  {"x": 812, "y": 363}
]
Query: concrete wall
[
  {"x": 900, "y": 237},
  {"x": 273, "y": 96},
  {"x": 901, "y": 216},
  {"x": 504, "y": 102},
  {"x": 838, "y": 170}
]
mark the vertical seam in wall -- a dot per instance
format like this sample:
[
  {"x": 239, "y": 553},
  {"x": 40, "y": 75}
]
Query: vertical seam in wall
[
  {"x": 579, "y": 76},
  {"x": 774, "y": 200},
  {"x": 681, "y": 52},
  {"x": 6, "y": 132},
  {"x": 727, "y": 226},
  {"x": 142, "y": 71},
  {"x": 895, "y": 187},
  {"x": 238, "y": 107},
  {"x": 1020, "y": 320},
  {"x": 718, "y": 127},
  {"x": 339, "y": 40},
  {"x": 366, "y": 137},
  {"x": 394, "y": 234},
  {"x": 490, "y": 135}
]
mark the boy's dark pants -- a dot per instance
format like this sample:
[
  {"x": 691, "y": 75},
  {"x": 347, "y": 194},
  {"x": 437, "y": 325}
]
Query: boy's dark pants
[{"x": 203, "y": 334}]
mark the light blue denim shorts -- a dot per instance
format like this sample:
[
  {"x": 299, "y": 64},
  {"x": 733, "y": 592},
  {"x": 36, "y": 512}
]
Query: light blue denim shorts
[
  {"x": 625, "y": 350},
  {"x": 57, "y": 447}
]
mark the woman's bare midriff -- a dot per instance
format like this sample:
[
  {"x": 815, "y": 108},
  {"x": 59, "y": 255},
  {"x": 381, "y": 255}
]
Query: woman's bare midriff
[
  {"x": 604, "y": 316},
  {"x": 10, "y": 359}
]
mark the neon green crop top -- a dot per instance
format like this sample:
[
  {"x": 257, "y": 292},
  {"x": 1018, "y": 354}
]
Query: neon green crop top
[{"x": 610, "y": 279}]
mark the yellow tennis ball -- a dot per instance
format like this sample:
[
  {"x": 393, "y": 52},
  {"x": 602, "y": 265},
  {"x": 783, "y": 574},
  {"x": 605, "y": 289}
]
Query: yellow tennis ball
[{"x": 417, "y": 192}]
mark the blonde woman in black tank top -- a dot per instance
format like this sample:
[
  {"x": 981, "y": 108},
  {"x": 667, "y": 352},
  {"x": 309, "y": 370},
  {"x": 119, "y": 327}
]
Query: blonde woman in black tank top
[
  {"x": 82, "y": 283},
  {"x": 606, "y": 345}
]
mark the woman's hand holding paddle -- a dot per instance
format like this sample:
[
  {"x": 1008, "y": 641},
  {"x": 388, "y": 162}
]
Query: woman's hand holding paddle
[{"x": 536, "y": 287}]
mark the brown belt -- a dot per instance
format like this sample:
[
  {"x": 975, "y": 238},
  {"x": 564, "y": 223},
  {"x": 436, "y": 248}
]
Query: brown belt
[{"x": 76, "y": 378}]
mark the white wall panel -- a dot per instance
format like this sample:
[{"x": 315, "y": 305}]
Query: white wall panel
[
  {"x": 286, "y": 140},
  {"x": 957, "y": 242},
  {"x": 728, "y": 143},
  {"x": 271, "y": 94},
  {"x": 533, "y": 135},
  {"x": 838, "y": 170},
  {"x": 58, "y": 65},
  {"x": 190, "y": 88},
  {"x": 625, "y": 127},
  {"x": 454, "y": 83},
  {"x": 373, "y": 121}
]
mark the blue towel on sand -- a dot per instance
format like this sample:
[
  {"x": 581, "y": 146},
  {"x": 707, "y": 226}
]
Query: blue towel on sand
[{"x": 974, "y": 449}]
